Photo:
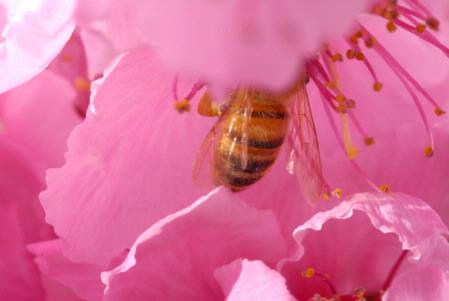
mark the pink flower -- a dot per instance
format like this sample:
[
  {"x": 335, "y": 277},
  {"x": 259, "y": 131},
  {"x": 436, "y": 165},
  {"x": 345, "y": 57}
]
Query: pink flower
[
  {"x": 98, "y": 160},
  {"x": 33, "y": 33},
  {"x": 127, "y": 170},
  {"x": 19, "y": 276},
  {"x": 204, "y": 245}
]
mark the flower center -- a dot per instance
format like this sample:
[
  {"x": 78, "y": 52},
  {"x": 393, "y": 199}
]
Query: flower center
[{"x": 359, "y": 294}]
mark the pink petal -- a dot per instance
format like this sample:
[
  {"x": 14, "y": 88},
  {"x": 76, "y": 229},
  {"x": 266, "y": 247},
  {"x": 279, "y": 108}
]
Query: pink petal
[
  {"x": 39, "y": 116},
  {"x": 57, "y": 292},
  {"x": 427, "y": 283},
  {"x": 82, "y": 279},
  {"x": 176, "y": 257},
  {"x": 232, "y": 42},
  {"x": 356, "y": 252},
  {"x": 34, "y": 34},
  {"x": 19, "y": 277},
  {"x": 251, "y": 280},
  {"x": 99, "y": 51},
  {"x": 90, "y": 11},
  {"x": 19, "y": 188},
  {"x": 128, "y": 165}
]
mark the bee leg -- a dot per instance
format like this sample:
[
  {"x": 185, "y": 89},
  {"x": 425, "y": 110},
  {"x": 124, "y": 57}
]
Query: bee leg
[{"x": 206, "y": 107}]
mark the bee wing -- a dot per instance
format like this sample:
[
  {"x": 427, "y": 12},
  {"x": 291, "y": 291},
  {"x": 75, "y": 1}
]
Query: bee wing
[
  {"x": 202, "y": 169},
  {"x": 304, "y": 157}
]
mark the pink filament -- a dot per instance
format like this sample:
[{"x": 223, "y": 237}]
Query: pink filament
[
  {"x": 357, "y": 124},
  {"x": 321, "y": 72},
  {"x": 418, "y": 6},
  {"x": 195, "y": 88},
  {"x": 175, "y": 88},
  {"x": 394, "y": 65},
  {"x": 388, "y": 59},
  {"x": 422, "y": 114},
  {"x": 354, "y": 165},
  {"x": 394, "y": 270},
  {"x": 407, "y": 12},
  {"x": 323, "y": 91},
  {"x": 426, "y": 35},
  {"x": 366, "y": 63}
]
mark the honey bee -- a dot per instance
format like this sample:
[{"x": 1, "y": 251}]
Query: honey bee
[{"x": 247, "y": 139}]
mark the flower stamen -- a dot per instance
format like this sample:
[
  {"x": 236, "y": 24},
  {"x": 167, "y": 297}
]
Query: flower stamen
[
  {"x": 351, "y": 150},
  {"x": 385, "y": 188},
  {"x": 377, "y": 85},
  {"x": 393, "y": 271},
  {"x": 311, "y": 272},
  {"x": 183, "y": 105}
]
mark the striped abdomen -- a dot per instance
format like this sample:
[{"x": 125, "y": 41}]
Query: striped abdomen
[{"x": 249, "y": 141}]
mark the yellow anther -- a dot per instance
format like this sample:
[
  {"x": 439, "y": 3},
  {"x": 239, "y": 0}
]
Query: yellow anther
[
  {"x": 306, "y": 79},
  {"x": 438, "y": 111},
  {"x": 387, "y": 15},
  {"x": 354, "y": 39},
  {"x": 358, "y": 34},
  {"x": 352, "y": 152},
  {"x": 377, "y": 86},
  {"x": 308, "y": 273},
  {"x": 350, "y": 103},
  {"x": 428, "y": 151},
  {"x": 394, "y": 14},
  {"x": 370, "y": 42},
  {"x": 385, "y": 188},
  {"x": 391, "y": 26},
  {"x": 350, "y": 54},
  {"x": 340, "y": 98},
  {"x": 433, "y": 23},
  {"x": 325, "y": 196},
  {"x": 331, "y": 85},
  {"x": 338, "y": 193},
  {"x": 420, "y": 28},
  {"x": 337, "y": 57},
  {"x": 360, "y": 56},
  {"x": 341, "y": 108},
  {"x": 359, "y": 294},
  {"x": 368, "y": 141},
  {"x": 67, "y": 58},
  {"x": 81, "y": 84},
  {"x": 182, "y": 105},
  {"x": 378, "y": 10}
]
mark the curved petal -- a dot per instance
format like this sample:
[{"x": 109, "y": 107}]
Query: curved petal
[
  {"x": 33, "y": 35},
  {"x": 251, "y": 280},
  {"x": 19, "y": 277},
  {"x": 19, "y": 187},
  {"x": 425, "y": 283},
  {"x": 176, "y": 257},
  {"x": 90, "y": 11},
  {"x": 341, "y": 244},
  {"x": 82, "y": 279},
  {"x": 39, "y": 116},
  {"x": 128, "y": 164},
  {"x": 233, "y": 42}
]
